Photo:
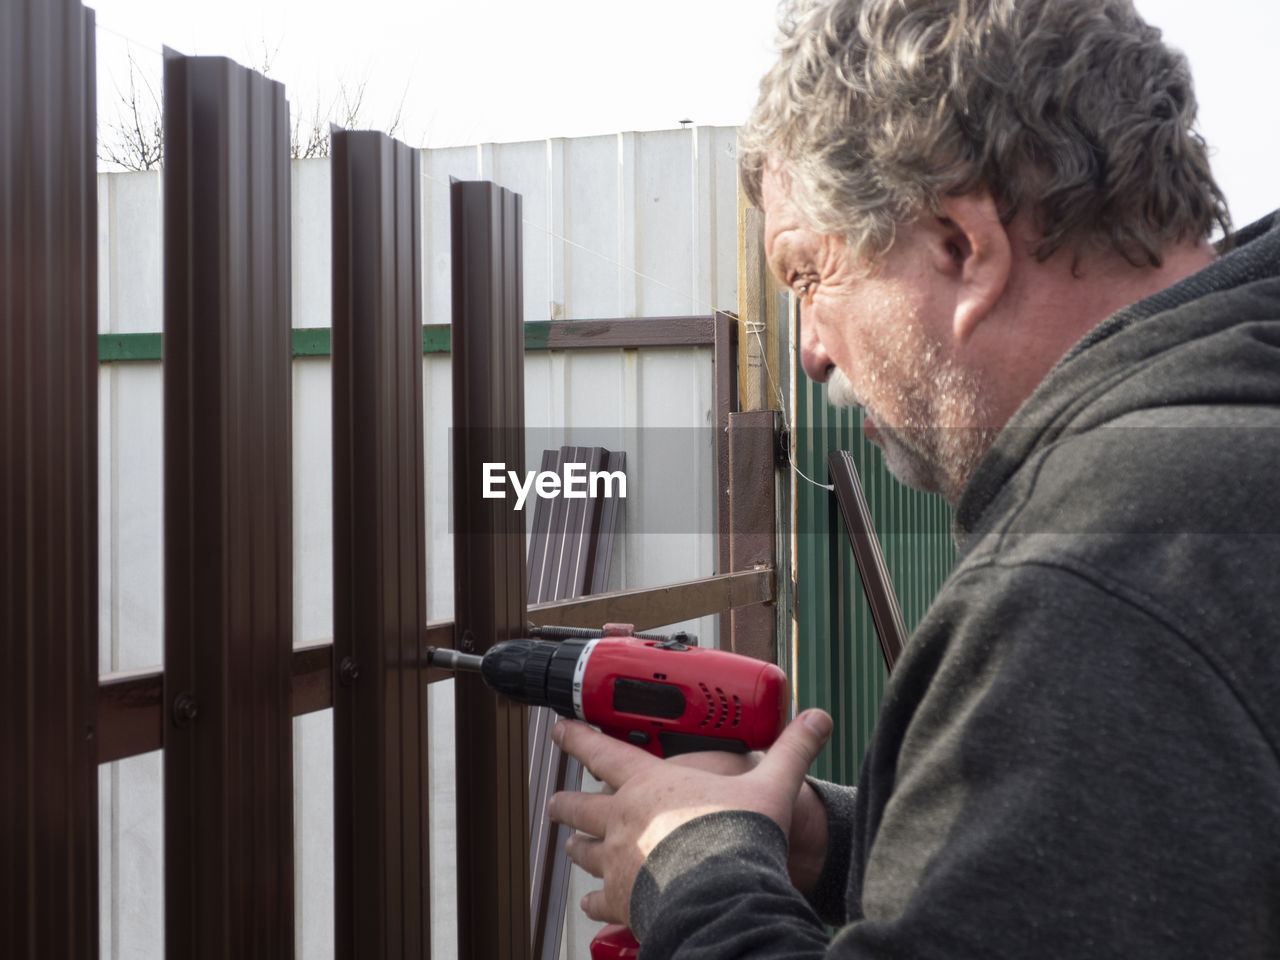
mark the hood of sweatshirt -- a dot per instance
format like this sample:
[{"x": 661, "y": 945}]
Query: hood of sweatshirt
[{"x": 1189, "y": 365}]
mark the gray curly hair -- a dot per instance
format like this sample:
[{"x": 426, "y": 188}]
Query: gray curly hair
[{"x": 1072, "y": 108}]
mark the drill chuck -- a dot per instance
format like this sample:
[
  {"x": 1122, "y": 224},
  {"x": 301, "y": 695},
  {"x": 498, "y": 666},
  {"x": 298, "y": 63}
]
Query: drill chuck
[{"x": 536, "y": 672}]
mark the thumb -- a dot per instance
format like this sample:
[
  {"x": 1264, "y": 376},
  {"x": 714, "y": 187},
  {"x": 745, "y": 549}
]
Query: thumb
[{"x": 795, "y": 750}]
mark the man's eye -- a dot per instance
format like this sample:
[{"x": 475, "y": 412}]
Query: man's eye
[{"x": 803, "y": 288}]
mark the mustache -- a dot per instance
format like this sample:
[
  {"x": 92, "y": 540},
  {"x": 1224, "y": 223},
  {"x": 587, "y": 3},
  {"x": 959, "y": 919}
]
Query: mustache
[{"x": 840, "y": 392}]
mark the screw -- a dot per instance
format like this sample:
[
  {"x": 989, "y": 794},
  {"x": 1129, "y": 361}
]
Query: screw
[
  {"x": 185, "y": 710},
  {"x": 782, "y": 447},
  {"x": 348, "y": 672},
  {"x": 468, "y": 641}
]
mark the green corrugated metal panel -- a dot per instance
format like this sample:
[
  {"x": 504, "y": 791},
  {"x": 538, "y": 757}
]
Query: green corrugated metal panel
[{"x": 839, "y": 666}]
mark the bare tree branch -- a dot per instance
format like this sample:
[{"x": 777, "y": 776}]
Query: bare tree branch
[{"x": 135, "y": 140}]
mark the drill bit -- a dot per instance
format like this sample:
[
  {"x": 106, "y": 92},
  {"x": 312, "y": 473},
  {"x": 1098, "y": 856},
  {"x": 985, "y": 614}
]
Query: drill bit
[{"x": 453, "y": 660}]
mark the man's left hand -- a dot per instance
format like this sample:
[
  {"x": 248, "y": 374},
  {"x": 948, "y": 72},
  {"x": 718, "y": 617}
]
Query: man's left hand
[{"x": 652, "y": 797}]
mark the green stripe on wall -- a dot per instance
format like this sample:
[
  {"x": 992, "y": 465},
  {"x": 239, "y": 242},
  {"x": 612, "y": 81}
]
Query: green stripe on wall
[
  {"x": 117, "y": 347},
  {"x": 437, "y": 339},
  {"x": 311, "y": 342},
  {"x": 307, "y": 342}
]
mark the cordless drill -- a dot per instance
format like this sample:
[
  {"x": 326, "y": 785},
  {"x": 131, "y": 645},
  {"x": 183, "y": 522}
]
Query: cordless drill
[{"x": 662, "y": 694}]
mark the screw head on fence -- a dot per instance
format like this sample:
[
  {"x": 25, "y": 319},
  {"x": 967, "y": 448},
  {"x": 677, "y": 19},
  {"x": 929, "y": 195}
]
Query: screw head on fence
[
  {"x": 185, "y": 709},
  {"x": 348, "y": 672}
]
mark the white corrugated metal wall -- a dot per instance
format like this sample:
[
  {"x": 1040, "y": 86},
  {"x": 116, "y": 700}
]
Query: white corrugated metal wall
[{"x": 638, "y": 224}]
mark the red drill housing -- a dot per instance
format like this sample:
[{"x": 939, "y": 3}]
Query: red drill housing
[
  {"x": 671, "y": 698},
  {"x": 663, "y": 695}
]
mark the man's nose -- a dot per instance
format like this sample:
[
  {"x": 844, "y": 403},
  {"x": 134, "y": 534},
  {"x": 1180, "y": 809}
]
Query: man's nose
[{"x": 813, "y": 356}]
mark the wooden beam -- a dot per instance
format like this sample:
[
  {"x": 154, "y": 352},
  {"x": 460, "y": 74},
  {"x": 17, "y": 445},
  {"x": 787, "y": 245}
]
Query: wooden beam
[
  {"x": 650, "y": 607},
  {"x": 758, "y": 354}
]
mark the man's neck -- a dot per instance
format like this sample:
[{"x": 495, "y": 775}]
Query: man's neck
[{"x": 1050, "y": 306}]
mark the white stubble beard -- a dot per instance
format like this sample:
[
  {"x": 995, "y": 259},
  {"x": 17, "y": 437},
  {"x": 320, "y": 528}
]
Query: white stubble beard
[{"x": 918, "y": 452}]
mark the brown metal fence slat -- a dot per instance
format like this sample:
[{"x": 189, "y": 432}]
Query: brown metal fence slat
[
  {"x": 48, "y": 482},
  {"x": 751, "y": 524},
  {"x": 489, "y": 569},
  {"x": 228, "y": 517},
  {"x": 383, "y": 883},
  {"x": 886, "y": 614}
]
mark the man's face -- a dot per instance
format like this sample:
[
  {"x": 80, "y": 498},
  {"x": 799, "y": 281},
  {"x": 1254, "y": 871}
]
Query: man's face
[{"x": 881, "y": 339}]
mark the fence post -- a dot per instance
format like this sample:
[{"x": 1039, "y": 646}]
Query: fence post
[
  {"x": 383, "y": 883},
  {"x": 229, "y": 886},
  {"x": 489, "y": 570},
  {"x": 752, "y": 489},
  {"x": 48, "y": 482}
]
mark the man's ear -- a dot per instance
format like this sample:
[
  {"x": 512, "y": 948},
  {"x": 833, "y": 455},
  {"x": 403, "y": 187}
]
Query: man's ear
[{"x": 980, "y": 254}]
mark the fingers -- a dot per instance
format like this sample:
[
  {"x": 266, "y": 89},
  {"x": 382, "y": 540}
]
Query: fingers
[
  {"x": 596, "y": 908},
  {"x": 585, "y": 812},
  {"x": 586, "y": 852},
  {"x": 795, "y": 750},
  {"x": 605, "y": 758}
]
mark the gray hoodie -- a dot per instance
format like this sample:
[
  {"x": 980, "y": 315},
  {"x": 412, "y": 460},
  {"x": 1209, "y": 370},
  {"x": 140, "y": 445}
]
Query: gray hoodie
[{"x": 1079, "y": 752}]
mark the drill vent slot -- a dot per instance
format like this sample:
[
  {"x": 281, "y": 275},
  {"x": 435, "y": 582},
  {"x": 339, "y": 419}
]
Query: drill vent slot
[
  {"x": 718, "y": 710},
  {"x": 724, "y": 708},
  {"x": 711, "y": 704}
]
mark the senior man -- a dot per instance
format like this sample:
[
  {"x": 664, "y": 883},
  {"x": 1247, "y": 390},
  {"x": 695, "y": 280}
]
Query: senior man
[{"x": 996, "y": 217}]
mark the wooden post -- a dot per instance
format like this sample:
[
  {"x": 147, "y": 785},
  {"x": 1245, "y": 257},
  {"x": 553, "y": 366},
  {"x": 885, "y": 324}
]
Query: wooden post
[{"x": 758, "y": 357}]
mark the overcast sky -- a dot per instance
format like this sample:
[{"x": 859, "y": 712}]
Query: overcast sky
[{"x": 472, "y": 71}]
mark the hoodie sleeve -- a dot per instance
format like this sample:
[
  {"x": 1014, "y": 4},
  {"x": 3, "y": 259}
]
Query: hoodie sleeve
[
  {"x": 718, "y": 887},
  {"x": 828, "y": 896}
]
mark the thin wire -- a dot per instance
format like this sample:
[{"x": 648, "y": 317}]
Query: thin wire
[
  {"x": 128, "y": 39},
  {"x": 754, "y": 329}
]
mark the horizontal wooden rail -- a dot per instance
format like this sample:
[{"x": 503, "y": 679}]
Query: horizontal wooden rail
[
  {"x": 131, "y": 715},
  {"x": 649, "y": 607}
]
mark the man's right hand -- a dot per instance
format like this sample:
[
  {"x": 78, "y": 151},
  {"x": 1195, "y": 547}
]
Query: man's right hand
[
  {"x": 654, "y": 798},
  {"x": 807, "y": 839}
]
